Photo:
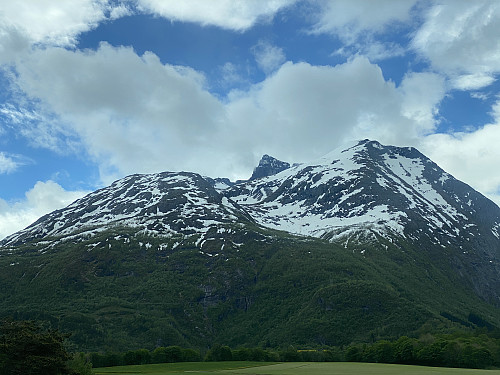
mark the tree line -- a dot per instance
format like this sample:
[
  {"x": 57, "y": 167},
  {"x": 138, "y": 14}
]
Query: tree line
[
  {"x": 26, "y": 348},
  {"x": 471, "y": 351},
  {"x": 459, "y": 350}
]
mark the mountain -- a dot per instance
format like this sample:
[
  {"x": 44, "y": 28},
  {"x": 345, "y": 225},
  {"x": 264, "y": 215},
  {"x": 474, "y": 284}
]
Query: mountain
[{"x": 369, "y": 241}]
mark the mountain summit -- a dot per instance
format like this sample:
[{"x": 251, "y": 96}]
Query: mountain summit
[{"x": 268, "y": 166}]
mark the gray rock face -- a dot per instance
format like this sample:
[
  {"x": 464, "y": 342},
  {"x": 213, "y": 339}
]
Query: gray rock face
[{"x": 268, "y": 166}]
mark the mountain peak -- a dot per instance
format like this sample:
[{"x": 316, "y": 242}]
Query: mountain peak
[{"x": 269, "y": 166}]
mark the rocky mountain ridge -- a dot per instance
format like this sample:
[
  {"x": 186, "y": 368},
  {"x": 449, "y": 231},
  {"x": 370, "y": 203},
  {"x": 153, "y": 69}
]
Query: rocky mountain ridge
[{"x": 369, "y": 187}]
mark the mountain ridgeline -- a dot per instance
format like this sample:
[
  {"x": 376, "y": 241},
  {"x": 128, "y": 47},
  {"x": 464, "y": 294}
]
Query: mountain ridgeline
[{"x": 367, "y": 242}]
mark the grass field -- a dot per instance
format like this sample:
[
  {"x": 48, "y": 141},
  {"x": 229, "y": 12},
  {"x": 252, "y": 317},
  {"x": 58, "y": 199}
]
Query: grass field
[{"x": 288, "y": 368}]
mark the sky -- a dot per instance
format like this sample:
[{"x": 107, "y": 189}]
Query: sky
[{"x": 95, "y": 90}]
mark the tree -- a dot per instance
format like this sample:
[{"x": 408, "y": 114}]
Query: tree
[
  {"x": 80, "y": 364},
  {"x": 137, "y": 357},
  {"x": 354, "y": 353},
  {"x": 219, "y": 353},
  {"x": 28, "y": 350},
  {"x": 404, "y": 350},
  {"x": 382, "y": 351},
  {"x": 168, "y": 354}
]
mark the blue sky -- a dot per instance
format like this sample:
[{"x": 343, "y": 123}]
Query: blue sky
[{"x": 94, "y": 90}]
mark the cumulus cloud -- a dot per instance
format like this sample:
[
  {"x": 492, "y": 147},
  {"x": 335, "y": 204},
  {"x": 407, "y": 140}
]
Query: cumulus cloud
[
  {"x": 146, "y": 121},
  {"x": 470, "y": 156},
  {"x": 460, "y": 39},
  {"x": 50, "y": 23},
  {"x": 119, "y": 11},
  {"x": 227, "y": 14},
  {"x": 303, "y": 111},
  {"x": 421, "y": 96},
  {"x": 43, "y": 198},
  {"x": 163, "y": 118},
  {"x": 13, "y": 42}
]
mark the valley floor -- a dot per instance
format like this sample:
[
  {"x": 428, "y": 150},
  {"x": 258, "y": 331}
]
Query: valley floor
[{"x": 288, "y": 368}]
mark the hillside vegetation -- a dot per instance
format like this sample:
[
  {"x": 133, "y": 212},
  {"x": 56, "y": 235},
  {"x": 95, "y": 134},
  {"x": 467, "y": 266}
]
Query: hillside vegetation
[{"x": 120, "y": 291}]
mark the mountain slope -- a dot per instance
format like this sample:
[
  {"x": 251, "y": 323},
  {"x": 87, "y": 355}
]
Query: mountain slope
[{"x": 369, "y": 241}]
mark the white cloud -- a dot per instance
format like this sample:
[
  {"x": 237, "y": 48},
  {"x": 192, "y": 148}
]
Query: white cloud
[
  {"x": 40, "y": 129},
  {"x": 9, "y": 163},
  {"x": 119, "y": 11},
  {"x": 43, "y": 198},
  {"x": 471, "y": 157},
  {"x": 268, "y": 57},
  {"x": 375, "y": 51},
  {"x": 227, "y": 14},
  {"x": 349, "y": 19},
  {"x": 158, "y": 118},
  {"x": 460, "y": 39},
  {"x": 230, "y": 75},
  {"x": 422, "y": 94},
  {"x": 52, "y": 21},
  {"x": 13, "y": 42},
  {"x": 163, "y": 118},
  {"x": 472, "y": 81},
  {"x": 357, "y": 23},
  {"x": 304, "y": 111}
]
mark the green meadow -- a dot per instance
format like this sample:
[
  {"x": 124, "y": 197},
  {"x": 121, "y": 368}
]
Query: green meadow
[{"x": 288, "y": 368}]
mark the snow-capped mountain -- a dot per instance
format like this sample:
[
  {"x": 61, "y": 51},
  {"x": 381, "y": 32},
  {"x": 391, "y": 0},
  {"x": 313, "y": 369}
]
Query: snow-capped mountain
[{"x": 362, "y": 188}]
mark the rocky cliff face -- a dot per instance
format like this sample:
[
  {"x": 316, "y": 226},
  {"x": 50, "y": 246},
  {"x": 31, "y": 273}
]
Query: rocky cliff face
[{"x": 268, "y": 166}]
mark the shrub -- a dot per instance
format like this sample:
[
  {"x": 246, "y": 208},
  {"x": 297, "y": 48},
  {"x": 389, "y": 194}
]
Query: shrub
[{"x": 219, "y": 353}]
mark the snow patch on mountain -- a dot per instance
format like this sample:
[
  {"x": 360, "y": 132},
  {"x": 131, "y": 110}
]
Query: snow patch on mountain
[{"x": 496, "y": 230}]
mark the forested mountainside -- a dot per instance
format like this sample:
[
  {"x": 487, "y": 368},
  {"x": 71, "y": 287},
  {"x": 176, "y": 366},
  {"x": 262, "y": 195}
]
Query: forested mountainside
[{"x": 367, "y": 242}]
